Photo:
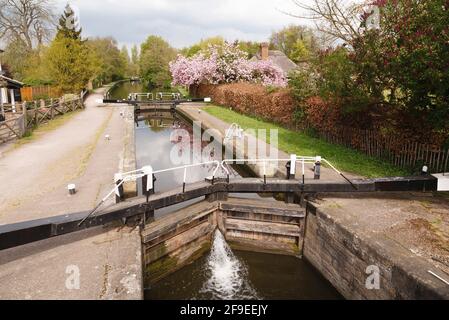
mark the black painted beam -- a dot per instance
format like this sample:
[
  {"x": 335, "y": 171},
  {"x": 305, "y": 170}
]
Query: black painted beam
[
  {"x": 150, "y": 102},
  {"x": 17, "y": 234}
]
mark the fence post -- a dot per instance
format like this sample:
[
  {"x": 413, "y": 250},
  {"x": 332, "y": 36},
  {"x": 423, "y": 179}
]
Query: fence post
[
  {"x": 36, "y": 106},
  {"x": 24, "y": 118},
  {"x": 317, "y": 169},
  {"x": 51, "y": 109}
]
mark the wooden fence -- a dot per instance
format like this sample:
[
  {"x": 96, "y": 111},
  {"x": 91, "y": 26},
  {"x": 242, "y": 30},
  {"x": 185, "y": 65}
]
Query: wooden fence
[
  {"x": 399, "y": 152},
  {"x": 30, "y": 115},
  {"x": 41, "y": 92}
]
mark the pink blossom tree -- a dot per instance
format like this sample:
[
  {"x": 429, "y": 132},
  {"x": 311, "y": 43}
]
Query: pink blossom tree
[{"x": 225, "y": 64}]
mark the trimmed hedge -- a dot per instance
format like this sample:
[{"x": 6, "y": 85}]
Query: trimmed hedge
[{"x": 275, "y": 105}]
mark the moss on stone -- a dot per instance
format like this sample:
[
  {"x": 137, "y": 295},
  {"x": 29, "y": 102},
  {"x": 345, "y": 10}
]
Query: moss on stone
[
  {"x": 159, "y": 269},
  {"x": 164, "y": 266}
]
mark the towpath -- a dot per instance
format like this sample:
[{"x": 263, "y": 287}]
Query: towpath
[
  {"x": 195, "y": 111},
  {"x": 100, "y": 263},
  {"x": 35, "y": 175}
]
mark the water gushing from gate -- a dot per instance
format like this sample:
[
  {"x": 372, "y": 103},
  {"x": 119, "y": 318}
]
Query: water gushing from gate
[{"x": 227, "y": 275}]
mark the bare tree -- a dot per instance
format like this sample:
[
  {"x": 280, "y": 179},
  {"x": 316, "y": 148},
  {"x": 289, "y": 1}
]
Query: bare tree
[
  {"x": 31, "y": 21},
  {"x": 338, "y": 19}
]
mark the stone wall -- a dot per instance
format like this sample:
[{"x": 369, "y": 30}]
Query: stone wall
[{"x": 342, "y": 256}]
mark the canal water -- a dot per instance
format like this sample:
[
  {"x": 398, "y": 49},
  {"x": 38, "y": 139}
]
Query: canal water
[{"x": 222, "y": 273}]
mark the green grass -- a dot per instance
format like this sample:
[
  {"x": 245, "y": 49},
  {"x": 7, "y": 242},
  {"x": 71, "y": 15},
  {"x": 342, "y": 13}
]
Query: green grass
[
  {"x": 292, "y": 142},
  {"x": 183, "y": 91}
]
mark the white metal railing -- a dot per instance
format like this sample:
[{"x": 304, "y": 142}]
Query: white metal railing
[
  {"x": 148, "y": 171},
  {"x": 302, "y": 160},
  {"x": 121, "y": 178},
  {"x": 294, "y": 160},
  {"x": 135, "y": 96},
  {"x": 153, "y": 123},
  {"x": 172, "y": 95},
  {"x": 233, "y": 131}
]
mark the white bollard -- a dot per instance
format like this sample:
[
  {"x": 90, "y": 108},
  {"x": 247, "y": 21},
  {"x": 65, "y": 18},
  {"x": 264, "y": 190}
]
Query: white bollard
[
  {"x": 148, "y": 172},
  {"x": 72, "y": 189},
  {"x": 293, "y": 165},
  {"x": 425, "y": 170}
]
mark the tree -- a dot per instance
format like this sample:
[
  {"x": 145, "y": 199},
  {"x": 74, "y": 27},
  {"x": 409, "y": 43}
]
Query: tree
[
  {"x": 26, "y": 65},
  {"x": 225, "y": 64},
  {"x": 405, "y": 62},
  {"x": 35, "y": 71},
  {"x": 134, "y": 63},
  {"x": 125, "y": 54},
  {"x": 29, "y": 21},
  {"x": 68, "y": 26},
  {"x": 71, "y": 64},
  {"x": 250, "y": 47},
  {"x": 299, "y": 52},
  {"x": 338, "y": 19},
  {"x": 202, "y": 46},
  {"x": 394, "y": 75},
  {"x": 297, "y": 42},
  {"x": 135, "y": 54},
  {"x": 112, "y": 63},
  {"x": 155, "y": 56},
  {"x": 16, "y": 56},
  {"x": 70, "y": 61}
]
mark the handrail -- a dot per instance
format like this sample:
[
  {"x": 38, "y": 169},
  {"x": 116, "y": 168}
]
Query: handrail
[
  {"x": 141, "y": 170},
  {"x": 306, "y": 160},
  {"x": 299, "y": 159},
  {"x": 173, "y": 95},
  {"x": 234, "y": 130},
  {"x": 191, "y": 166},
  {"x": 135, "y": 95},
  {"x": 139, "y": 173}
]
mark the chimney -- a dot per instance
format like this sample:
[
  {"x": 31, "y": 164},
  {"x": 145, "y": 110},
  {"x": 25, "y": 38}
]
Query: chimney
[{"x": 264, "y": 51}]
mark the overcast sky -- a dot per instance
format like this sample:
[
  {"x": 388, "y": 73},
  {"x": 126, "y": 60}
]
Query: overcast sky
[{"x": 182, "y": 22}]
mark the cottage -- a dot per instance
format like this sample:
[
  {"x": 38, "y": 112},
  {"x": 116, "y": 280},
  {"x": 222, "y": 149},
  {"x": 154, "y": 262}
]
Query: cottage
[
  {"x": 9, "y": 91},
  {"x": 277, "y": 57}
]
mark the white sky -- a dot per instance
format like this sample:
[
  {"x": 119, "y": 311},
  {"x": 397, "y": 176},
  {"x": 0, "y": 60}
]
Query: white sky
[{"x": 182, "y": 22}]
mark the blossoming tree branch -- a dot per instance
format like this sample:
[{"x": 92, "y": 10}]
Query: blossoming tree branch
[{"x": 225, "y": 64}]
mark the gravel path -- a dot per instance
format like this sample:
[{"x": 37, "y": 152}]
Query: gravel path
[
  {"x": 34, "y": 178},
  {"x": 35, "y": 175}
]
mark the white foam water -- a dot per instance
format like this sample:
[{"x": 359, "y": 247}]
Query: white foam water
[{"x": 227, "y": 276}]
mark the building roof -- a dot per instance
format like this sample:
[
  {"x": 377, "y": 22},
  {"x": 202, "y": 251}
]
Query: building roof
[
  {"x": 12, "y": 84},
  {"x": 279, "y": 59}
]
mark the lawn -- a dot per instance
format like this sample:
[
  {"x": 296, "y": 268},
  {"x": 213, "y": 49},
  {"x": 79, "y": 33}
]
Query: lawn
[{"x": 292, "y": 142}]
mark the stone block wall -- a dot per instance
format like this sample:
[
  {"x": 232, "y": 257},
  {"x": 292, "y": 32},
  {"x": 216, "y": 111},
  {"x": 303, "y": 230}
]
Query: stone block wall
[{"x": 342, "y": 256}]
